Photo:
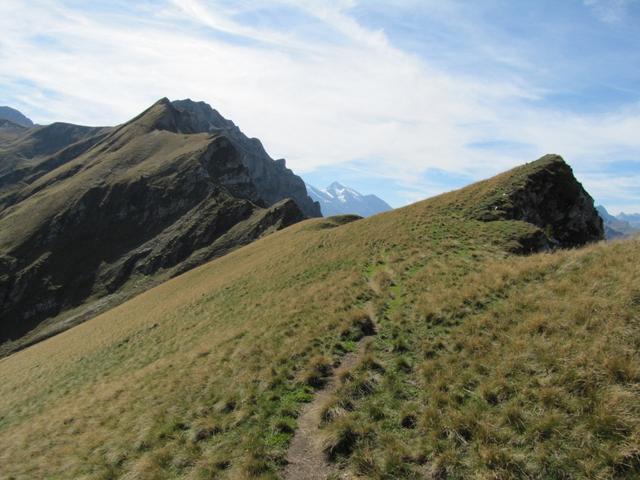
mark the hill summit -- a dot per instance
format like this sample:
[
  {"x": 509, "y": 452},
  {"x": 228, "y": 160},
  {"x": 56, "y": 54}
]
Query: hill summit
[{"x": 543, "y": 193}]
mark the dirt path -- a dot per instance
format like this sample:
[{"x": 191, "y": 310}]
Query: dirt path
[{"x": 306, "y": 458}]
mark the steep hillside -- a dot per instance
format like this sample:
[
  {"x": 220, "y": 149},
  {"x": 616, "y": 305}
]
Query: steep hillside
[
  {"x": 99, "y": 214},
  {"x": 337, "y": 199},
  {"x": 465, "y": 360},
  {"x": 9, "y": 131},
  {"x": 33, "y": 152}
]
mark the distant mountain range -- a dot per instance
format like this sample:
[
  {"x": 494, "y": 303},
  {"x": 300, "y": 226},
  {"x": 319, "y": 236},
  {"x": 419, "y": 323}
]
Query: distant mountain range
[
  {"x": 337, "y": 199},
  {"x": 13, "y": 115},
  {"x": 620, "y": 225},
  {"x": 632, "y": 218}
]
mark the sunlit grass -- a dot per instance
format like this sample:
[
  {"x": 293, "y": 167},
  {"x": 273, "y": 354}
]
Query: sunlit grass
[{"x": 483, "y": 364}]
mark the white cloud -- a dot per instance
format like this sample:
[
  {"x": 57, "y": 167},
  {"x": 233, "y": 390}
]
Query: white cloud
[
  {"x": 621, "y": 188},
  {"x": 318, "y": 100}
]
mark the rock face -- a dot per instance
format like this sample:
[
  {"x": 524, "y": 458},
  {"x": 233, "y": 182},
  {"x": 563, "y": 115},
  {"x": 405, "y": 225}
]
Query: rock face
[
  {"x": 273, "y": 179},
  {"x": 337, "y": 199},
  {"x": 13, "y": 115},
  {"x": 122, "y": 207},
  {"x": 545, "y": 193}
]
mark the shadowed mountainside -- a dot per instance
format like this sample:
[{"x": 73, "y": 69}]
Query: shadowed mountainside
[{"x": 272, "y": 179}]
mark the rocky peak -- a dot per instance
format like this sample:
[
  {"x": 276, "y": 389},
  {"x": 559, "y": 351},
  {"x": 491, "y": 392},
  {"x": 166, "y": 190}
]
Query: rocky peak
[
  {"x": 203, "y": 117},
  {"x": 273, "y": 180},
  {"x": 545, "y": 193}
]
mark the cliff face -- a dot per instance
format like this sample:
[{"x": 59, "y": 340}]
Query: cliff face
[
  {"x": 546, "y": 194},
  {"x": 273, "y": 180},
  {"x": 138, "y": 204}
]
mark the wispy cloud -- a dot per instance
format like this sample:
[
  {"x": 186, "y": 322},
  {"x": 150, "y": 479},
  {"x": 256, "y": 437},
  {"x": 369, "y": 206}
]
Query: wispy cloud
[{"x": 317, "y": 84}]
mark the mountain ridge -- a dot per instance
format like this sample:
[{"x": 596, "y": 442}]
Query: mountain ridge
[
  {"x": 139, "y": 202},
  {"x": 632, "y": 218},
  {"x": 617, "y": 226}
]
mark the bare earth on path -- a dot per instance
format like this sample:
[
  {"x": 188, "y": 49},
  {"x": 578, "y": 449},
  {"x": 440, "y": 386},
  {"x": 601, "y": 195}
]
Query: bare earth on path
[{"x": 306, "y": 457}]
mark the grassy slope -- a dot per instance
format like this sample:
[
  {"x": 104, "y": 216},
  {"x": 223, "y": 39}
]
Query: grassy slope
[
  {"x": 32, "y": 146},
  {"x": 142, "y": 156},
  {"x": 484, "y": 364}
]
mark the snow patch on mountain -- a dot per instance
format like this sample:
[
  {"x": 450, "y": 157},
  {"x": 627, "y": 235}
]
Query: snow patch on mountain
[{"x": 338, "y": 199}]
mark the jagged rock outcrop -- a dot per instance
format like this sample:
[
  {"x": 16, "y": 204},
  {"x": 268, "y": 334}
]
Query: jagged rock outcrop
[
  {"x": 273, "y": 179},
  {"x": 124, "y": 207},
  {"x": 545, "y": 193}
]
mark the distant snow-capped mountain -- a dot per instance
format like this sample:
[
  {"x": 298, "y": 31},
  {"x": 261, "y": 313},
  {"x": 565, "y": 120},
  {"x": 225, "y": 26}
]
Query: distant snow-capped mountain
[{"x": 337, "y": 199}]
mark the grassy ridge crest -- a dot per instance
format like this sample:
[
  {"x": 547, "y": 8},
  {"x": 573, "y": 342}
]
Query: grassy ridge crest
[{"x": 485, "y": 363}]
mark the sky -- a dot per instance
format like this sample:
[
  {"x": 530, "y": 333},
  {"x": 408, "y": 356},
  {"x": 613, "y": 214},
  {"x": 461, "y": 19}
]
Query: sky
[{"x": 405, "y": 99}]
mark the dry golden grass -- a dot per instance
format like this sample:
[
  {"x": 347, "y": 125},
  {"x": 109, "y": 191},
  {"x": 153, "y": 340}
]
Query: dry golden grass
[
  {"x": 529, "y": 369},
  {"x": 484, "y": 364}
]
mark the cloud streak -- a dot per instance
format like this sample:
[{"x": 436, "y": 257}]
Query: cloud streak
[{"x": 315, "y": 84}]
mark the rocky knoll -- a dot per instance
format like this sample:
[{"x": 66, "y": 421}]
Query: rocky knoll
[
  {"x": 118, "y": 210},
  {"x": 546, "y": 194}
]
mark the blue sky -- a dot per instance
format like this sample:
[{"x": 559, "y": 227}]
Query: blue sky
[{"x": 404, "y": 99}]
